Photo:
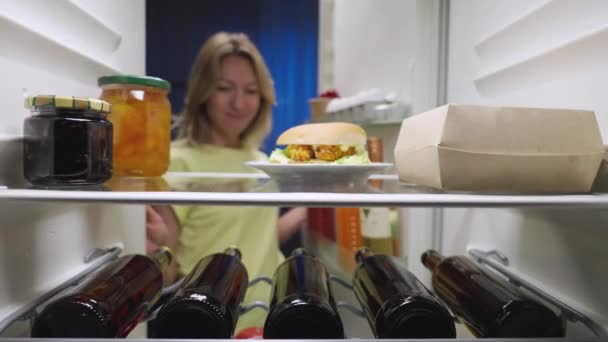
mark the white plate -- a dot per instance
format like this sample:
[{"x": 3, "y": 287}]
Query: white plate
[{"x": 315, "y": 176}]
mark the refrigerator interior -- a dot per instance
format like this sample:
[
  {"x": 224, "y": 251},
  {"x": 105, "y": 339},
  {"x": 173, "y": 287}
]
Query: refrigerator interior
[
  {"x": 519, "y": 53},
  {"x": 505, "y": 52}
]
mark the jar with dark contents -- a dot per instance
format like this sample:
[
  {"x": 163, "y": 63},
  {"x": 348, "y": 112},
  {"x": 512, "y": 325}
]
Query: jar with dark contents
[{"x": 67, "y": 141}]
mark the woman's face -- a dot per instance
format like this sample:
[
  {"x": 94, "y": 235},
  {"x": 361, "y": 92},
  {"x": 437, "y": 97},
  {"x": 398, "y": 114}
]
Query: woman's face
[{"x": 235, "y": 101}]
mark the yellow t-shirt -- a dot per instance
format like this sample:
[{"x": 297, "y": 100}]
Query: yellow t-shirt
[{"x": 211, "y": 229}]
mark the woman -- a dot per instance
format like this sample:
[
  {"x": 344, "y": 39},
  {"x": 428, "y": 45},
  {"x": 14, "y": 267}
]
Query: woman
[{"x": 227, "y": 115}]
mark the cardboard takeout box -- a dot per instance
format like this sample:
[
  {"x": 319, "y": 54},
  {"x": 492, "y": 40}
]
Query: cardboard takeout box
[{"x": 496, "y": 149}]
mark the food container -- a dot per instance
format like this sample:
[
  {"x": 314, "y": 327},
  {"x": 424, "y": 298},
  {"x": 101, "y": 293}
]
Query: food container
[
  {"x": 141, "y": 115},
  {"x": 67, "y": 141},
  {"x": 500, "y": 149}
]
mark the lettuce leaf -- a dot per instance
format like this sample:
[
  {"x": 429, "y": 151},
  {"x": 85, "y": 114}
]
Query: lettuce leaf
[
  {"x": 361, "y": 158},
  {"x": 278, "y": 156}
]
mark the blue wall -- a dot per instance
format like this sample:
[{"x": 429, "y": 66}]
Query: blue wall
[{"x": 286, "y": 32}]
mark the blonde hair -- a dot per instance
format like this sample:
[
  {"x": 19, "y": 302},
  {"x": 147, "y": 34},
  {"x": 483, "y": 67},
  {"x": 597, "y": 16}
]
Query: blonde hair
[{"x": 194, "y": 125}]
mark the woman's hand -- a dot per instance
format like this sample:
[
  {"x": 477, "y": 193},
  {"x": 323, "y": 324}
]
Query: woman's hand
[
  {"x": 291, "y": 222},
  {"x": 157, "y": 231},
  {"x": 162, "y": 229}
]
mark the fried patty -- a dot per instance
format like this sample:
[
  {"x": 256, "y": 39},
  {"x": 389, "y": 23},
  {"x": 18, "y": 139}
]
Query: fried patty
[
  {"x": 322, "y": 152},
  {"x": 300, "y": 152}
]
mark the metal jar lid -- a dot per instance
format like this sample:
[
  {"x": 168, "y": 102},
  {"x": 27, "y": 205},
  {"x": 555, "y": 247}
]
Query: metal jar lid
[
  {"x": 146, "y": 81},
  {"x": 68, "y": 102}
]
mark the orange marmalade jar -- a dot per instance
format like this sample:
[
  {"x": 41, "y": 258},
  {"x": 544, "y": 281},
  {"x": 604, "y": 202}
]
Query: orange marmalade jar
[{"x": 141, "y": 116}]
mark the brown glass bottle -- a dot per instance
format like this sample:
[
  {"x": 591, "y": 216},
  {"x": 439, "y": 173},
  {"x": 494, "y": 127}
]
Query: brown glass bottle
[
  {"x": 376, "y": 228},
  {"x": 109, "y": 302},
  {"x": 207, "y": 303},
  {"x": 490, "y": 306},
  {"x": 302, "y": 305},
  {"x": 395, "y": 303}
]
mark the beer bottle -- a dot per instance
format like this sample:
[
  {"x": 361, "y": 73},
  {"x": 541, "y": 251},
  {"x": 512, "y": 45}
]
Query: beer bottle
[
  {"x": 395, "y": 303},
  {"x": 207, "y": 304},
  {"x": 302, "y": 305},
  {"x": 488, "y": 305},
  {"x": 109, "y": 302}
]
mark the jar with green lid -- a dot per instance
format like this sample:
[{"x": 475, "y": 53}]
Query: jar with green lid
[
  {"x": 141, "y": 115},
  {"x": 67, "y": 141}
]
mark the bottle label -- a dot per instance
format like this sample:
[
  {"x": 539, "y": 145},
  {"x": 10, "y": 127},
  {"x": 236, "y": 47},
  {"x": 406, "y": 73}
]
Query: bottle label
[
  {"x": 376, "y": 223},
  {"x": 349, "y": 228}
]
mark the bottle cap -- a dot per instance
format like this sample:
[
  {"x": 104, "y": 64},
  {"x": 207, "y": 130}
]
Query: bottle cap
[
  {"x": 300, "y": 251},
  {"x": 164, "y": 255},
  {"x": 363, "y": 253},
  {"x": 431, "y": 258},
  {"x": 234, "y": 251}
]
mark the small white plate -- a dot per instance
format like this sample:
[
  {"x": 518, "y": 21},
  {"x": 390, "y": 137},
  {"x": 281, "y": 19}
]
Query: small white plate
[{"x": 315, "y": 176}]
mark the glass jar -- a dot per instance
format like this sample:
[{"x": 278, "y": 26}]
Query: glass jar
[
  {"x": 126, "y": 183},
  {"x": 67, "y": 141},
  {"x": 141, "y": 115}
]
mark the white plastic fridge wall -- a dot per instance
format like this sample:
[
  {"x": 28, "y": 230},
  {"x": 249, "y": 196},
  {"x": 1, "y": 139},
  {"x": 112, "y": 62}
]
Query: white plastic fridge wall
[
  {"x": 562, "y": 250},
  {"x": 59, "y": 47},
  {"x": 542, "y": 54}
]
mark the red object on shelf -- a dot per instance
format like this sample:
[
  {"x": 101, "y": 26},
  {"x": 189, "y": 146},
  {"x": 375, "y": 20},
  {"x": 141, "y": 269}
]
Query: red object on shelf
[
  {"x": 323, "y": 222},
  {"x": 331, "y": 94},
  {"x": 251, "y": 333}
]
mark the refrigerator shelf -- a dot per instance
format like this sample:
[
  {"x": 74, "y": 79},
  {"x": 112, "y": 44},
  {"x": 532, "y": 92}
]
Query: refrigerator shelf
[
  {"x": 259, "y": 190},
  {"x": 319, "y": 340},
  {"x": 492, "y": 259}
]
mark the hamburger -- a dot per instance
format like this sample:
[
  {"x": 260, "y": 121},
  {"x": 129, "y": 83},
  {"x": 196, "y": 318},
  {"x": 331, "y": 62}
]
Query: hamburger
[{"x": 322, "y": 143}]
